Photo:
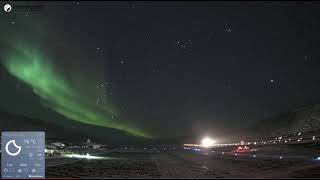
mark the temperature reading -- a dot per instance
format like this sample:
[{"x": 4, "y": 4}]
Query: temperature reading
[
  {"x": 26, "y": 141},
  {"x": 33, "y": 141}
]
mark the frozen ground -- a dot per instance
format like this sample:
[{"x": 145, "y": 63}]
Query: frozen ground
[
  {"x": 126, "y": 165},
  {"x": 182, "y": 164}
]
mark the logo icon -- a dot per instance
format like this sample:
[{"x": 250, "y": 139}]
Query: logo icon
[
  {"x": 7, "y": 8},
  {"x": 15, "y": 145}
]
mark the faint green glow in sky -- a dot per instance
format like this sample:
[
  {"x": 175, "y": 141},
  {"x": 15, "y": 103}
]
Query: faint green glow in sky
[{"x": 56, "y": 93}]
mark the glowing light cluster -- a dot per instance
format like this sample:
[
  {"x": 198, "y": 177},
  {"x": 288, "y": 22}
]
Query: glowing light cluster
[
  {"x": 80, "y": 156},
  {"x": 207, "y": 142}
]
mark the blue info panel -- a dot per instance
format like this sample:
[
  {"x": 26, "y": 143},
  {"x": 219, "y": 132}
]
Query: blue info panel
[{"x": 23, "y": 155}]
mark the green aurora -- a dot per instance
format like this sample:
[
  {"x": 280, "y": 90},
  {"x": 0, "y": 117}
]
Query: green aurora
[{"x": 56, "y": 93}]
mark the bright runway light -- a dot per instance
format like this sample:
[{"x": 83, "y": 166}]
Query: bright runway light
[{"x": 207, "y": 142}]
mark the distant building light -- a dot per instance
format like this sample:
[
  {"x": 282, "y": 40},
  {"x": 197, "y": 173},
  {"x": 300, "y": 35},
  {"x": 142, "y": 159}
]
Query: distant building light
[
  {"x": 313, "y": 138},
  {"x": 207, "y": 142}
]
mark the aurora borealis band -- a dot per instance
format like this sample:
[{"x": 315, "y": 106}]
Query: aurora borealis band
[{"x": 56, "y": 93}]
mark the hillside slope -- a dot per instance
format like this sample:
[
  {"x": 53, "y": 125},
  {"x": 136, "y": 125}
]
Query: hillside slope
[
  {"x": 68, "y": 130},
  {"x": 303, "y": 119}
]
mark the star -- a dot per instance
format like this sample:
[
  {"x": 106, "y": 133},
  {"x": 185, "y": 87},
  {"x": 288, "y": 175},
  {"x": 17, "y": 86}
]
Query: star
[
  {"x": 184, "y": 44},
  {"x": 227, "y": 28}
]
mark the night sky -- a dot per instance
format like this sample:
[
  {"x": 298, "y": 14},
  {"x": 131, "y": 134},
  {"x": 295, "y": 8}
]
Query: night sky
[{"x": 161, "y": 69}]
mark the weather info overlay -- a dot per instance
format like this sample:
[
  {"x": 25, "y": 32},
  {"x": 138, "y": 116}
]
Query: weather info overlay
[{"x": 22, "y": 154}]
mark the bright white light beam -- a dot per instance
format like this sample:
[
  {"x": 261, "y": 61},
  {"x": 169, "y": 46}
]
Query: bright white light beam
[
  {"x": 80, "y": 156},
  {"x": 207, "y": 142}
]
